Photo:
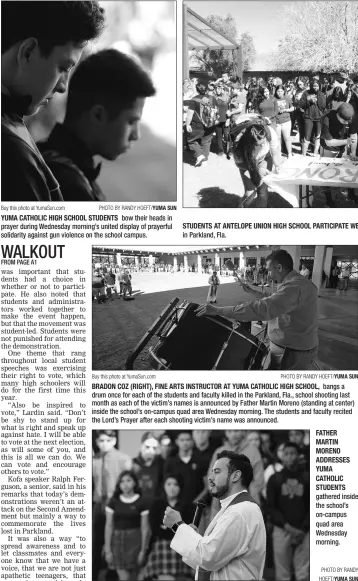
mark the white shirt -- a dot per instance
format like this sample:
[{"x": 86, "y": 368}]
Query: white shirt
[
  {"x": 233, "y": 546},
  {"x": 292, "y": 313},
  {"x": 305, "y": 272}
]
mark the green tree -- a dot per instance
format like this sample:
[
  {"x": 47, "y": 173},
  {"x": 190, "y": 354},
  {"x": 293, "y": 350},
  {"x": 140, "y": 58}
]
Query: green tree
[
  {"x": 319, "y": 36},
  {"x": 217, "y": 61},
  {"x": 248, "y": 50}
]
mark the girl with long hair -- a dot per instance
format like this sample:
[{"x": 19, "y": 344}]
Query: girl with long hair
[
  {"x": 256, "y": 151},
  {"x": 126, "y": 533},
  {"x": 283, "y": 118},
  {"x": 267, "y": 105},
  {"x": 163, "y": 562},
  {"x": 313, "y": 103}
]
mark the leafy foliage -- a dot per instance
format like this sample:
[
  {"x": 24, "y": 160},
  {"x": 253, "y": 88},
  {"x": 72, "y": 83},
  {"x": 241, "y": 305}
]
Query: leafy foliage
[
  {"x": 216, "y": 62},
  {"x": 319, "y": 36}
]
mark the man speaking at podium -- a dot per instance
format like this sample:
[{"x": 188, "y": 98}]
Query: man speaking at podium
[{"x": 234, "y": 544}]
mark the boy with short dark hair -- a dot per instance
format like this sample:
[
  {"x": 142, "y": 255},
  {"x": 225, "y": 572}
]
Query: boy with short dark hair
[
  {"x": 189, "y": 464},
  {"x": 106, "y": 97},
  {"x": 41, "y": 43}
]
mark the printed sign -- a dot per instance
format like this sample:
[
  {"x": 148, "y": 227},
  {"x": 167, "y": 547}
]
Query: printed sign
[{"x": 321, "y": 172}]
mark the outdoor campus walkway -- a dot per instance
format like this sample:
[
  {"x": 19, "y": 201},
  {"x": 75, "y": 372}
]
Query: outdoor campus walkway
[{"x": 119, "y": 325}]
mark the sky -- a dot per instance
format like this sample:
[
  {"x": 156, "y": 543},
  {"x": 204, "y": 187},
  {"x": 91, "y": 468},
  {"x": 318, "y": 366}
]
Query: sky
[{"x": 261, "y": 19}]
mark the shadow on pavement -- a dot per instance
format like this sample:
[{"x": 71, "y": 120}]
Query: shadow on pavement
[{"x": 216, "y": 197}]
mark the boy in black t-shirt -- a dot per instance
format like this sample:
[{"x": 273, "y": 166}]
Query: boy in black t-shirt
[
  {"x": 199, "y": 136},
  {"x": 337, "y": 126},
  {"x": 189, "y": 465}
]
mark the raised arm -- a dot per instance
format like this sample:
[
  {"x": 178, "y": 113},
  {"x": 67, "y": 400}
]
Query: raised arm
[{"x": 229, "y": 539}]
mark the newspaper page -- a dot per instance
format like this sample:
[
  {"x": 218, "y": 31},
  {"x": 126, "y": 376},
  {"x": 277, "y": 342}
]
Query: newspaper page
[{"x": 179, "y": 368}]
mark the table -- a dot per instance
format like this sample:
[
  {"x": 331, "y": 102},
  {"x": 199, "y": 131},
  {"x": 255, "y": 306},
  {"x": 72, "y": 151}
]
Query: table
[{"x": 299, "y": 171}]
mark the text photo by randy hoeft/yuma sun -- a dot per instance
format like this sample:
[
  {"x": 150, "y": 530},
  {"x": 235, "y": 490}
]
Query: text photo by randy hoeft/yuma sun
[
  {"x": 225, "y": 308},
  {"x": 88, "y": 101},
  {"x": 270, "y": 104}
]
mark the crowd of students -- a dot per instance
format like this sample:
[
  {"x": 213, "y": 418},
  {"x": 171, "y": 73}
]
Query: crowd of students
[
  {"x": 324, "y": 114},
  {"x": 301, "y": 103},
  {"x": 130, "y": 496},
  {"x": 108, "y": 284}
]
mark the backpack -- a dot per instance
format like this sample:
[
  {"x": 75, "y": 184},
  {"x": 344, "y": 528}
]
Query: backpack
[
  {"x": 209, "y": 115},
  {"x": 245, "y": 120}
]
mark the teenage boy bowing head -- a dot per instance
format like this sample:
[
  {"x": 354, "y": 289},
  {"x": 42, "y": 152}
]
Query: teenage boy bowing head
[
  {"x": 105, "y": 102},
  {"x": 41, "y": 43}
]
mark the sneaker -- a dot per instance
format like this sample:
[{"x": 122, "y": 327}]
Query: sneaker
[{"x": 199, "y": 161}]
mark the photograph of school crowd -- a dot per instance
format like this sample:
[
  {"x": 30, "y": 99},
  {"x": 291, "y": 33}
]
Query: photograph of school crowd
[
  {"x": 240, "y": 307},
  {"x": 270, "y": 104},
  {"x": 242, "y": 498},
  {"x": 84, "y": 86}
]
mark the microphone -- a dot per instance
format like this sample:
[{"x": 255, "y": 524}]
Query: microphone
[{"x": 198, "y": 512}]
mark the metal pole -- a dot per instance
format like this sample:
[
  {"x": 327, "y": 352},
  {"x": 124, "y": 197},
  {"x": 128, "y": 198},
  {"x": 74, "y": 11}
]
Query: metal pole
[
  {"x": 185, "y": 43},
  {"x": 239, "y": 64}
]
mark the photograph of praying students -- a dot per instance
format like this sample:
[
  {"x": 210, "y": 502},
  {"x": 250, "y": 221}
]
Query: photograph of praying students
[{"x": 85, "y": 89}]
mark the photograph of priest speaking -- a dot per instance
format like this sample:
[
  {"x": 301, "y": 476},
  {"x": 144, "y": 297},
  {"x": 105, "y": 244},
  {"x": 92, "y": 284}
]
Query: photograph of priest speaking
[
  {"x": 228, "y": 308},
  {"x": 206, "y": 504}
]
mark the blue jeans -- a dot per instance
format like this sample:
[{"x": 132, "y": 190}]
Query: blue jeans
[
  {"x": 287, "y": 556},
  {"x": 285, "y": 358}
]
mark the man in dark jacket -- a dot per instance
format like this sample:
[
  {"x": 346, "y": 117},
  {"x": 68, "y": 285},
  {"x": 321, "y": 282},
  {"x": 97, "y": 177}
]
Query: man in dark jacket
[
  {"x": 106, "y": 97},
  {"x": 288, "y": 506},
  {"x": 41, "y": 43}
]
